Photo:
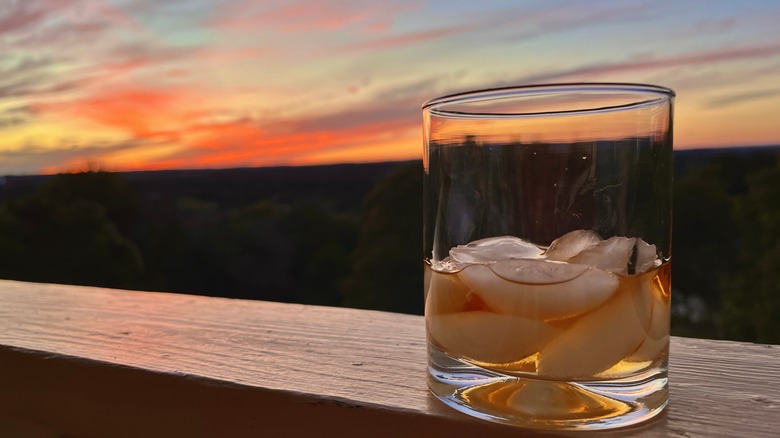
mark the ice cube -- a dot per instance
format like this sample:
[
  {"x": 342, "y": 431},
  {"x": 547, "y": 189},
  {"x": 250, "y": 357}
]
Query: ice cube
[
  {"x": 647, "y": 256},
  {"x": 537, "y": 271},
  {"x": 571, "y": 244},
  {"x": 658, "y": 333},
  {"x": 445, "y": 294},
  {"x": 621, "y": 255},
  {"x": 446, "y": 265},
  {"x": 650, "y": 349},
  {"x": 613, "y": 254},
  {"x": 488, "y": 337},
  {"x": 602, "y": 338},
  {"x": 539, "y": 289},
  {"x": 494, "y": 248}
]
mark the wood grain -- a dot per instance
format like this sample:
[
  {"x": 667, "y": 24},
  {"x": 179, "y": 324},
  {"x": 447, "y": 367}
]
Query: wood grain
[{"x": 83, "y": 362}]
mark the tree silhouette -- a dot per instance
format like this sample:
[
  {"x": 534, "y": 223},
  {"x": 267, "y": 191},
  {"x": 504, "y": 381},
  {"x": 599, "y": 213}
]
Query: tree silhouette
[
  {"x": 388, "y": 269},
  {"x": 751, "y": 295},
  {"x": 69, "y": 231},
  {"x": 99, "y": 228}
]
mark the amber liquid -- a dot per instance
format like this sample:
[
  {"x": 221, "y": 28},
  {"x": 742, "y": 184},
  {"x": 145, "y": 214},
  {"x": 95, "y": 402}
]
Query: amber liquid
[
  {"x": 575, "y": 335},
  {"x": 621, "y": 336}
]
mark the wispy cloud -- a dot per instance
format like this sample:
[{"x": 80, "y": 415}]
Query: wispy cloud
[
  {"x": 705, "y": 27},
  {"x": 19, "y": 14},
  {"x": 16, "y": 116},
  {"x": 520, "y": 23},
  {"x": 197, "y": 83},
  {"x": 308, "y": 15},
  {"x": 28, "y": 24},
  {"x": 215, "y": 138},
  {"x": 741, "y": 98},
  {"x": 25, "y": 71},
  {"x": 406, "y": 39},
  {"x": 648, "y": 63},
  {"x": 34, "y": 88},
  {"x": 34, "y": 158}
]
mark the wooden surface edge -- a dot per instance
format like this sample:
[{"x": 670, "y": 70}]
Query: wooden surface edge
[
  {"x": 83, "y": 362},
  {"x": 45, "y": 394}
]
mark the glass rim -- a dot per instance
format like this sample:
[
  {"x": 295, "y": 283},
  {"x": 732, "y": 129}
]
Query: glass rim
[{"x": 655, "y": 93}]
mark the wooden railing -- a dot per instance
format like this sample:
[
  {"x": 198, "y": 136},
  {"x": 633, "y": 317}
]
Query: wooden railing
[{"x": 91, "y": 362}]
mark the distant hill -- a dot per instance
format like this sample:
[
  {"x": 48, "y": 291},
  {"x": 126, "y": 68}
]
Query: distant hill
[
  {"x": 343, "y": 185},
  {"x": 685, "y": 158},
  {"x": 281, "y": 183},
  {"x": 335, "y": 187}
]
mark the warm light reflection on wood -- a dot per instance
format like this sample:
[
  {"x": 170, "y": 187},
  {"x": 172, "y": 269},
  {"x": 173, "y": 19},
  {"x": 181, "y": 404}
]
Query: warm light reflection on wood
[{"x": 82, "y": 361}]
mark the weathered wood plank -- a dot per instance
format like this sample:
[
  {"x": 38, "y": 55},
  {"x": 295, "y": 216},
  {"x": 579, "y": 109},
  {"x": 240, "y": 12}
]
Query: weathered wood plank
[{"x": 96, "y": 362}]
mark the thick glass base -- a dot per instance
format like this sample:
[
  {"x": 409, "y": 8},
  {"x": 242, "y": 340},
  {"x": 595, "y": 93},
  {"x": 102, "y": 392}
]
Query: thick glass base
[{"x": 547, "y": 404}]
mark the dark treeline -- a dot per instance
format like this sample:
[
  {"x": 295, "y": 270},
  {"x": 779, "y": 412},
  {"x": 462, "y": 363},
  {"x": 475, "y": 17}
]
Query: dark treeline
[
  {"x": 726, "y": 240},
  {"x": 284, "y": 234},
  {"x": 350, "y": 235}
]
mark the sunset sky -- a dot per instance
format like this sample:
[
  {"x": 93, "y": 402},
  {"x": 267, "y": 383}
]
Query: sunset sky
[{"x": 163, "y": 84}]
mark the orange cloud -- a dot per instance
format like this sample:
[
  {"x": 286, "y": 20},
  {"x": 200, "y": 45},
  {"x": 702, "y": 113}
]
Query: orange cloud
[
  {"x": 167, "y": 128},
  {"x": 143, "y": 113},
  {"x": 248, "y": 144}
]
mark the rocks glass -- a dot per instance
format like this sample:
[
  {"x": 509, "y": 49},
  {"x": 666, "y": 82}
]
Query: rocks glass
[{"x": 547, "y": 251}]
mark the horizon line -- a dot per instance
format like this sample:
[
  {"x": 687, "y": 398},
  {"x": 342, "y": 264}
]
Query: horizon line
[{"x": 88, "y": 166}]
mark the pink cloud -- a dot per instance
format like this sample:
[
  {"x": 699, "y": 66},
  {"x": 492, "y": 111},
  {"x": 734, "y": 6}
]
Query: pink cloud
[
  {"x": 43, "y": 23},
  {"x": 63, "y": 45},
  {"x": 310, "y": 15},
  {"x": 647, "y": 63},
  {"x": 19, "y": 17},
  {"x": 739, "y": 98},
  {"x": 408, "y": 39},
  {"x": 297, "y": 17}
]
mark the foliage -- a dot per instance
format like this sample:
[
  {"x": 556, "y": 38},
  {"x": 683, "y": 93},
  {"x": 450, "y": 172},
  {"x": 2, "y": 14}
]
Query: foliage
[
  {"x": 388, "y": 270},
  {"x": 95, "y": 228},
  {"x": 751, "y": 297},
  {"x": 70, "y": 231},
  {"x": 312, "y": 243},
  {"x": 727, "y": 248}
]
